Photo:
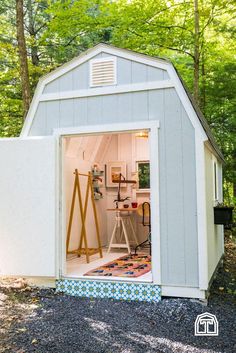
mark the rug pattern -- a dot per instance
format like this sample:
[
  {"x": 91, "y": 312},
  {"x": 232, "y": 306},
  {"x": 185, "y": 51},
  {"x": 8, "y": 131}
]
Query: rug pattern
[
  {"x": 146, "y": 292},
  {"x": 132, "y": 265}
]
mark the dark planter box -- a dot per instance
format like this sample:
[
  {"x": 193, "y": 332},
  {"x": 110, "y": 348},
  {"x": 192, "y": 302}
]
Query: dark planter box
[{"x": 223, "y": 215}]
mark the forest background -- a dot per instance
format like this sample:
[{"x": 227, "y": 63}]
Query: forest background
[{"x": 198, "y": 36}]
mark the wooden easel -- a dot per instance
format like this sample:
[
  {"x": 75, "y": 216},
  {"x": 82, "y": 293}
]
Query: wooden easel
[{"x": 83, "y": 212}]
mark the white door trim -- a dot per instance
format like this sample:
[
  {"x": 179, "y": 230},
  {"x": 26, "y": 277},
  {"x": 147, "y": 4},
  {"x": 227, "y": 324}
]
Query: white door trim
[
  {"x": 106, "y": 128},
  {"x": 154, "y": 177},
  {"x": 155, "y": 205}
]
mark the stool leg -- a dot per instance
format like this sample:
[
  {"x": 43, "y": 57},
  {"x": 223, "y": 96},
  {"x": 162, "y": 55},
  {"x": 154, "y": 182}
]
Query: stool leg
[
  {"x": 112, "y": 237},
  {"x": 134, "y": 234},
  {"x": 120, "y": 235},
  {"x": 126, "y": 235}
]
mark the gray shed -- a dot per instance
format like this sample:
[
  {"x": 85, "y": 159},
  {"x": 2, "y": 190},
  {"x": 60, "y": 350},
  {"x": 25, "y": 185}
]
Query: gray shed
[{"x": 126, "y": 123}]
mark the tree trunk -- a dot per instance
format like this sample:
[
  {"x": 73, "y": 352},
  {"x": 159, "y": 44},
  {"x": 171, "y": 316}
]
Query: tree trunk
[
  {"x": 32, "y": 32},
  {"x": 203, "y": 82},
  {"x": 196, "y": 52},
  {"x": 24, "y": 71}
]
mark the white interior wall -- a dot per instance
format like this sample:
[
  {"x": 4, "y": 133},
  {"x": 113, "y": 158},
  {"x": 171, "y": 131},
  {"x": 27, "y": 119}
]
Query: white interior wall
[
  {"x": 82, "y": 153},
  {"x": 79, "y": 151},
  {"x": 128, "y": 148}
]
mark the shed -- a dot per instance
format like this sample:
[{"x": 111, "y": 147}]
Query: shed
[{"x": 113, "y": 115}]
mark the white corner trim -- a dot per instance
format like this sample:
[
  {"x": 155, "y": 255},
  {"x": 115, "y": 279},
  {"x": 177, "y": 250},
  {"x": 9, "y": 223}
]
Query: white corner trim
[
  {"x": 183, "y": 292},
  {"x": 201, "y": 213},
  {"x": 106, "y": 90}
]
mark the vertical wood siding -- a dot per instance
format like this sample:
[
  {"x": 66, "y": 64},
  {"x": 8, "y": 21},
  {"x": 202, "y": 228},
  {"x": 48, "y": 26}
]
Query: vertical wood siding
[
  {"x": 127, "y": 72},
  {"x": 179, "y": 255},
  {"x": 215, "y": 238}
]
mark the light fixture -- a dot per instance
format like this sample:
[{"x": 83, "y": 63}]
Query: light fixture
[{"x": 142, "y": 134}]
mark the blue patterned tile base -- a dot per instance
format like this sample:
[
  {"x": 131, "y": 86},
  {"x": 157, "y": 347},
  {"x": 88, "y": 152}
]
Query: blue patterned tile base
[{"x": 105, "y": 289}]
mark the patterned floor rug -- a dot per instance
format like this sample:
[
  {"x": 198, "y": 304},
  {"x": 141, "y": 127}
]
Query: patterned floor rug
[{"x": 126, "y": 266}]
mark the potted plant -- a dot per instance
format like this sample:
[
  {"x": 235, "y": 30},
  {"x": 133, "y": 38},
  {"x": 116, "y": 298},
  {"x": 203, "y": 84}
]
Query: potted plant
[{"x": 223, "y": 214}]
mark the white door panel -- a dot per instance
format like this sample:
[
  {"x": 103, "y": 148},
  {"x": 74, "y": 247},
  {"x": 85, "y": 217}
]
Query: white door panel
[{"x": 27, "y": 207}]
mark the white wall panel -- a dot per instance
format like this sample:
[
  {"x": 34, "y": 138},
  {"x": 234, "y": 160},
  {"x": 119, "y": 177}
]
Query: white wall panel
[{"x": 27, "y": 207}]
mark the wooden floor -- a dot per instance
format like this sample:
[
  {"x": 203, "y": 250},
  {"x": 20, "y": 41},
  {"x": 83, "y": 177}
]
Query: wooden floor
[{"x": 76, "y": 267}]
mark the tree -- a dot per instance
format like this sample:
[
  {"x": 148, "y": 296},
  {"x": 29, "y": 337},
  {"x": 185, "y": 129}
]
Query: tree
[
  {"x": 196, "y": 56},
  {"x": 24, "y": 71},
  {"x": 196, "y": 35}
]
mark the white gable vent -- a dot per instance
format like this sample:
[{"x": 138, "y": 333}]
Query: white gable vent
[{"x": 103, "y": 72}]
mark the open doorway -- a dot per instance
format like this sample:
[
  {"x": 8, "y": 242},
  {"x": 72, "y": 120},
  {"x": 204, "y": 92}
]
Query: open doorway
[{"x": 110, "y": 219}]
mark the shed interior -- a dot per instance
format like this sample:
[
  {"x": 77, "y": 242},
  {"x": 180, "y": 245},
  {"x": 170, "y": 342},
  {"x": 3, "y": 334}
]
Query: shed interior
[{"x": 110, "y": 167}]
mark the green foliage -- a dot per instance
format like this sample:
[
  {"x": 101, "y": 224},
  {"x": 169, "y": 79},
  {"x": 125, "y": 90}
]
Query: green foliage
[
  {"x": 10, "y": 127},
  {"x": 56, "y": 31},
  {"x": 144, "y": 175}
]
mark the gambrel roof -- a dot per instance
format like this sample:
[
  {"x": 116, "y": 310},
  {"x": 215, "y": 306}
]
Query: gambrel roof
[{"x": 190, "y": 106}]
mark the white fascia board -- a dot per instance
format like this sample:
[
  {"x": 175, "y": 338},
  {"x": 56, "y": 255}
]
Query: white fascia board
[
  {"x": 102, "y": 48},
  {"x": 137, "y": 57},
  {"x": 89, "y": 54},
  {"x": 70, "y": 65},
  {"x": 108, "y": 90},
  {"x": 213, "y": 151},
  {"x": 32, "y": 109},
  {"x": 123, "y": 53},
  {"x": 51, "y": 77}
]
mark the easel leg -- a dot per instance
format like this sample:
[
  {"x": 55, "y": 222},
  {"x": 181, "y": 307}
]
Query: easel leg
[
  {"x": 95, "y": 214},
  {"x": 83, "y": 213},
  {"x": 71, "y": 218}
]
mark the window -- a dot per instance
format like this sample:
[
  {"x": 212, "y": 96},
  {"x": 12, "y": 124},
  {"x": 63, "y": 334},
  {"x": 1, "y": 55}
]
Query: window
[
  {"x": 215, "y": 180},
  {"x": 143, "y": 168}
]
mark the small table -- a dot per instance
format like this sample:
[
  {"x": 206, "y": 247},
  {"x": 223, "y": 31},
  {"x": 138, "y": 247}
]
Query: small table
[{"x": 122, "y": 219}]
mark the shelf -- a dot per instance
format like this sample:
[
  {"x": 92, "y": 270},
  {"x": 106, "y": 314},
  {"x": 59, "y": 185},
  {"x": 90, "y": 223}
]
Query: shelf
[
  {"x": 98, "y": 173},
  {"x": 143, "y": 191}
]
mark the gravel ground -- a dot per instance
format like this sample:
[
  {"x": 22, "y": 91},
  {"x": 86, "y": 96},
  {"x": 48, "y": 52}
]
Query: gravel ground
[{"x": 33, "y": 320}]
